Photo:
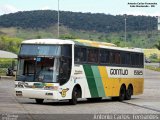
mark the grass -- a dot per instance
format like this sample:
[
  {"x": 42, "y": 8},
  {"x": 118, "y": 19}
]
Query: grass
[
  {"x": 153, "y": 68},
  {"x": 3, "y": 71},
  {"x": 9, "y": 31},
  {"x": 148, "y": 52},
  {"x": 140, "y": 39}
]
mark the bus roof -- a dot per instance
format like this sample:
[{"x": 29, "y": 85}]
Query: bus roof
[
  {"x": 47, "y": 41},
  {"x": 81, "y": 42}
]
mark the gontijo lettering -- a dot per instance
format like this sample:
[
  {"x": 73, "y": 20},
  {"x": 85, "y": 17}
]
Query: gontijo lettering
[{"x": 119, "y": 72}]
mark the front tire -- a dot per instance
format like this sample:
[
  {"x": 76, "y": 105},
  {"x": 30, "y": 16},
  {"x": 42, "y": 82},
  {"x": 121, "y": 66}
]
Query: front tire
[
  {"x": 73, "y": 101},
  {"x": 39, "y": 101}
]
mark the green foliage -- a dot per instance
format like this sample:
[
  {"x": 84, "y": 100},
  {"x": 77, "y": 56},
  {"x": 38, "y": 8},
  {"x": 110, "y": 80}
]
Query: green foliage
[
  {"x": 6, "y": 63},
  {"x": 153, "y": 56},
  {"x": 134, "y": 39},
  {"x": 80, "y": 21},
  {"x": 141, "y": 30},
  {"x": 10, "y": 44},
  {"x": 158, "y": 45},
  {"x": 153, "y": 68},
  {"x": 39, "y": 36},
  {"x": 117, "y": 43},
  {"x": 67, "y": 36}
]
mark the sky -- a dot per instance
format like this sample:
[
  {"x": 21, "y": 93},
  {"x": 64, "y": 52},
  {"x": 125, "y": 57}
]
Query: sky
[{"x": 113, "y": 7}]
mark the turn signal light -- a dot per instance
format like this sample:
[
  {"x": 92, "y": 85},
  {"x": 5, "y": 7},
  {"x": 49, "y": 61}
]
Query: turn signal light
[{"x": 51, "y": 87}]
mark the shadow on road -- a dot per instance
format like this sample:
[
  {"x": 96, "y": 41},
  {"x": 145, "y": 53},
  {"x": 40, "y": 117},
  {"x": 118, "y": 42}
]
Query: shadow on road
[{"x": 66, "y": 102}]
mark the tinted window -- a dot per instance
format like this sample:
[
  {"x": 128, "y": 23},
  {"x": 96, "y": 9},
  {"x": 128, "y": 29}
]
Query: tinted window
[
  {"x": 83, "y": 55},
  {"x": 80, "y": 54},
  {"x": 93, "y": 55},
  {"x": 77, "y": 54},
  {"x": 115, "y": 57},
  {"x": 125, "y": 58},
  {"x": 112, "y": 57},
  {"x": 141, "y": 60},
  {"x": 128, "y": 58},
  {"x": 67, "y": 50},
  {"x": 133, "y": 59},
  {"x": 104, "y": 56}
]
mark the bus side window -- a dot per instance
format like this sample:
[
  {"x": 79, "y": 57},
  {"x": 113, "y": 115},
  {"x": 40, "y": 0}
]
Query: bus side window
[
  {"x": 65, "y": 64},
  {"x": 127, "y": 59},
  {"x": 80, "y": 54},
  {"x": 93, "y": 55},
  {"x": 104, "y": 56},
  {"x": 123, "y": 58},
  {"x": 137, "y": 59},
  {"x": 66, "y": 50},
  {"x": 65, "y": 70},
  {"x": 112, "y": 57},
  {"x": 141, "y": 60},
  {"x": 83, "y": 55},
  {"x": 77, "y": 53},
  {"x": 117, "y": 58},
  {"x": 133, "y": 59}
]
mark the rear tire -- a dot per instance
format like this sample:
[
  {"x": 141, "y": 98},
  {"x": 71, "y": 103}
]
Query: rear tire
[
  {"x": 73, "y": 101},
  {"x": 39, "y": 101},
  {"x": 129, "y": 93},
  {"x": 122, "y": 93}
]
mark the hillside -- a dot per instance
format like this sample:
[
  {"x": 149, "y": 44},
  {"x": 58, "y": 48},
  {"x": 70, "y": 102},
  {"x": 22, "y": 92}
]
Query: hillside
[
  {"x": 141, "y": 30},
  {"x": 79, "y": 21}
]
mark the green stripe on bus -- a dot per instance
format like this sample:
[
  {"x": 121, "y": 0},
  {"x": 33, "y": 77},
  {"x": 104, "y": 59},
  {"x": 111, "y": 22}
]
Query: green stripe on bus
[
  {"x": 98, "y": 81},
  {"x": 90, "y": 80}
]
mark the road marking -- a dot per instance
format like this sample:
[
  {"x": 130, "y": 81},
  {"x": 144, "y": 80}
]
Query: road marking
[{"x": 145, "y": 107}]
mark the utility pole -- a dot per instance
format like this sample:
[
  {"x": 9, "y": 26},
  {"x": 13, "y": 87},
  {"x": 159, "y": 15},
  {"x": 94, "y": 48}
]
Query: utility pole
[
  {"x": 158, "y": 22},
  {"x": 58, "y": 19},
  {"x": 125, "y": 20}
]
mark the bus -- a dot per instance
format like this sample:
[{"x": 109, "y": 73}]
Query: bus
[{"x": 58, "y": 69}]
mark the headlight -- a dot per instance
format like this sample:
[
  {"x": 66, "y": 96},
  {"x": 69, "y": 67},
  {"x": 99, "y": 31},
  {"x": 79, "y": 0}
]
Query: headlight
[{"x": 51, "y": 87}]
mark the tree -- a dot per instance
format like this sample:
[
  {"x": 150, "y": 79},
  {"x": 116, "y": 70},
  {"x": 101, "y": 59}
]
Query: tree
[
  {"x": 158, "y": 47},
  {"x": 67, "y": 36}
]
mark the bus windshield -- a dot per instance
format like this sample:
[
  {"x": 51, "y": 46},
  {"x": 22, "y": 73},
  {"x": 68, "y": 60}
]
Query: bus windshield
[
  {"x": 42, "y": 63},
  {"x": 38, "y": 69},
  {"x": 39, "y": 50}
]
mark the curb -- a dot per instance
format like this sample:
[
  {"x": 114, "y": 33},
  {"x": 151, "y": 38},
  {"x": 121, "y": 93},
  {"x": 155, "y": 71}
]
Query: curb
[{"x": 7, "y": 77}]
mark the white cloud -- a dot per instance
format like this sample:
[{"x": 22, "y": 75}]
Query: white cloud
[
  {"x": 45, "y": 8},
  {"x": 6, "y": 9}
]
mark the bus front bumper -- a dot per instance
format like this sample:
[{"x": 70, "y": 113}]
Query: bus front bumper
[{"x": 36, "y": 93}]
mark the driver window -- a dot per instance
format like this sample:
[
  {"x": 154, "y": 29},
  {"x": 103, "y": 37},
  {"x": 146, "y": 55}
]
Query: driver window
[
  {"x": 65, "y": 70},
  {"x": 65, "y": 64}
]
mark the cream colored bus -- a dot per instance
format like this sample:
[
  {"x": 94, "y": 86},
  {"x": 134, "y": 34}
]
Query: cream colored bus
[{"x": 72, "y": 69}]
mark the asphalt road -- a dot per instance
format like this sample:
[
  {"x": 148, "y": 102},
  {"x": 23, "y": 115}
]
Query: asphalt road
[{"x": 147, "y": 103}]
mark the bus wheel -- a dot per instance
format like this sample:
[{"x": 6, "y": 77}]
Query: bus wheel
[
  {"x": 122, "y": 93},
  {"x": 73, "y": 101},
  {"x": 129, "y": 93},
  {"x": 39, "y": 101}
]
